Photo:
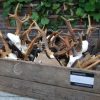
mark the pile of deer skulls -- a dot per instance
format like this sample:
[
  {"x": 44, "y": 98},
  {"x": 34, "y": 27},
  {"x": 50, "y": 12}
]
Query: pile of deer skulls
[{"x": 66, "y": 48}]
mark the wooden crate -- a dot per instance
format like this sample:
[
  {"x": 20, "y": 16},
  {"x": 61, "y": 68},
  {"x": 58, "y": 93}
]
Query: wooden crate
[
  {"x": 45, "y": 82},
  {"x": 10, "y": 96}
]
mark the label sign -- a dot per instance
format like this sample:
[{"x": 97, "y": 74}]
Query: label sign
[{"x": 82, "y": 79}]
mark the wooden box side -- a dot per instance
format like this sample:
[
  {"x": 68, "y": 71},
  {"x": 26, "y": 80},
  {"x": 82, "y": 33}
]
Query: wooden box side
[
  {"x": 43, "y": 91},
  {"x": 52, "y": 75}
]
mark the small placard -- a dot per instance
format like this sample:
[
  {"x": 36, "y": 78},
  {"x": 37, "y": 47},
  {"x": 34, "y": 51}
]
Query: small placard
[{"x": 82, "y": 79}]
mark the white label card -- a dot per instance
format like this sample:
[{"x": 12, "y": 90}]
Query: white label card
[{"x": 82, "y": 79}]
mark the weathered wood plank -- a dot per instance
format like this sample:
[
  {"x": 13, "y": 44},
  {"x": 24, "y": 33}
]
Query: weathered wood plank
[
  {"x": 14, "y": 98},
  {"x": 45, "y": 74},
  {"x": 9, "y": 96},
  {"x": 43, "y": 91}
]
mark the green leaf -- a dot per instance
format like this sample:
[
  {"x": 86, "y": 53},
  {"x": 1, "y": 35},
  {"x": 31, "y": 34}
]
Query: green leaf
[
  {"x": 47, "y": 4},
  {"x": 55, "y": 6},
  {"x": 92, "y": 2},
  {"x": 35, "y": 16},
  {"x": 26, "y": 1},
  {"x": 70, "y": 1},
  {"x": 6, "y": 12},
  {"x": 6, "y": 4},
  {"x": 81, "y": 1},
  {"x": 58, "y": 10},
  {"x": 97, "y": 5},
  {"x": 41, "y": 4},
  {"x": 79, "y": 12},
  {"x": 44, "y": 21},
  {"x": 12, "y": 22},
  {"x": 89, "y": 7},
  {"x": 96, "y": 17}
]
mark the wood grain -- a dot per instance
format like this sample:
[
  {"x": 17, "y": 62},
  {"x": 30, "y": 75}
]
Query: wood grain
[
  {"x": 51, "y": 75},
  {"x": 43, "y": 91}
]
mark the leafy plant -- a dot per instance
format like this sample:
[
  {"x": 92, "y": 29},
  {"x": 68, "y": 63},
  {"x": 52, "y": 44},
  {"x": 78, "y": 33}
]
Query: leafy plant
[
  {"x": 91, "y": 7},
  {"x": 9, "y": 5},
  {"x": 45, "y": 8}
]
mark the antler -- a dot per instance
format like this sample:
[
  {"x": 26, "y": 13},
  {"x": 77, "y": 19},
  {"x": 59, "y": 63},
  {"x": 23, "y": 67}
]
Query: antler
[
  {"x": 24, "y": 36},
  {"x": 6, "y": 48},
  {"x": 70, "y": 29},
  {"x": 41, "y": 33},
  {"x": 4, "y": 43},
  {"x": 48, "y": 52},
  {"x": 34, "y": 26},
  {"x": 34, "y": 41},
  {"x": 90, "y": 28},
  {"x": 19, "y": 22},
  {"x": 68, "y": 24},
  {"x": 92, "y": 61}
]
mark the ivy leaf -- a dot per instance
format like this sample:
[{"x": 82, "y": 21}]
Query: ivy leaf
[
  {"x": 81, "y": 1},
  {"x": 79, "y": 12},
  {"x": 6, "y": 4},
  {"x": 97, "y": 5},
  {"x": 41, "y": 4},
  {"x": 35, "y": 16},
  {"x": 12, "y": 22},
  {"x": 26, "y": 1},
  {"x": 6, "y": 12},
  {"x": 58, "y": 10},
  {"x": 55, "y": 6},
  {"x": 92, "y": 1},
  {"x": 47, "y": 4},
  {"x": 96, "y": 17},
  {"x": 44, "y": 21},
  {"x": 89, "y": 7},
  {"x": 70, "y": 1}
]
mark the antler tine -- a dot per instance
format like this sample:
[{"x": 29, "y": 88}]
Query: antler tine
[
  {"x": 43, "y": 28},
  {"x": 36, "y": 39},
  {"x": 7, "y": 49},
  {"x": 26, "y": 33},
  {"x": 89, "y": 20},
  {"x": 69, "y": 26},
  {"x": 31, "y": 46},
  {"x": 70, "y": 29},
  {"x": 25, "y": 18},
  {"x": 30, "y": 27},
  {"x": 15, "y": 12},
  {"x": 16, "y": 9},
  {"x": 36, "y": 25},
  {"x": 19, "y": 22},
  {"x": 90, "y": 28},
  {"x": 1, "y": 34}
]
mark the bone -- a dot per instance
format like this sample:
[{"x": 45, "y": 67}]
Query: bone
[{"x": 19, "y": 22}]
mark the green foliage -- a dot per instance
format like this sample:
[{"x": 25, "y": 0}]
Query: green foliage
[
  {"x": 45, "y": 8},
  {"x": 91, "y": 7},
  {"x": 35, "y": 16},
  {"x": 72, "y": 8},
  {"x": 96, "y": 16},
  {"x": 9, "y": 5},
  {"x": 44, "y": 21},
  {"x": 79, "y": 12}
]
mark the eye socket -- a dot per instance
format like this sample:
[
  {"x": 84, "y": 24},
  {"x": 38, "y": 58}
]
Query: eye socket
[{"x": 7, "y": 55}]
